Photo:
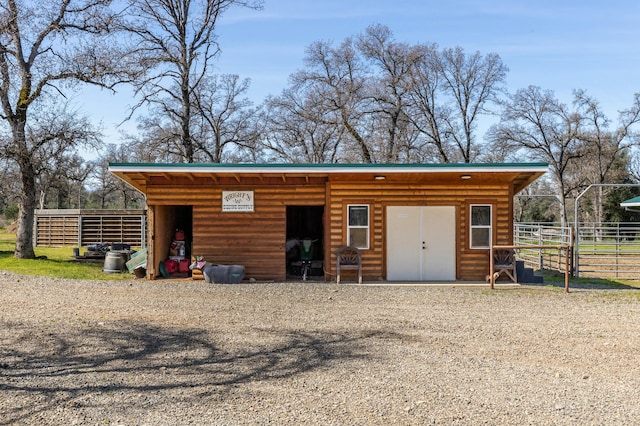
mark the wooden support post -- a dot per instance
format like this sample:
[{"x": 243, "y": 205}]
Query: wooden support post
[
  {"x": 566, "y": 269},
  {"x": 491, "y": 277}
]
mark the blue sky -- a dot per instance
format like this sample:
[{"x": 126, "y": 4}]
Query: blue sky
[{"x": 558, "y": 45}]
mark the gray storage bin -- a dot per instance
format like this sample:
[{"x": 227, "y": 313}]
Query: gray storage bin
[
  {"x": 220, "y": 274},
  {"x": 236, "y": 274}
]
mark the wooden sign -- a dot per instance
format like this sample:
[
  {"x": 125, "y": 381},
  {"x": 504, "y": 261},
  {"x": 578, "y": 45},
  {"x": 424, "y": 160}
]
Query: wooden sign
[{"x": 237, "y": 201}]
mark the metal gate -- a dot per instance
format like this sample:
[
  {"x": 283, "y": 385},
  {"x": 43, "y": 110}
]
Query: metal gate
[{"x": 606, "y": 250}]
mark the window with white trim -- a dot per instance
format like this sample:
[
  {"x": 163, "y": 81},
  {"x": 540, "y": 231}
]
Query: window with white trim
[
  {"x": 480, "y": 232},
  {"x": 358, "y": 225}
]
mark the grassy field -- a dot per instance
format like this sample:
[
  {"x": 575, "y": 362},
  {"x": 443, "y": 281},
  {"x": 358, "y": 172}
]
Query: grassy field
[{"x": 54, "y": 262}]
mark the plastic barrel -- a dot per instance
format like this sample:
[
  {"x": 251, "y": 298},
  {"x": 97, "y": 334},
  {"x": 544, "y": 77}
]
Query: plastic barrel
[{"x": 114, "y": 262}]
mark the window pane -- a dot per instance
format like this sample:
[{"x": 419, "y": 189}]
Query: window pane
[
  {"x": 358, "y": 215},
  {"x": 481, "y": 215},
  {"x": 358, "y": 237},
  {"x": 480, "y": 237}
]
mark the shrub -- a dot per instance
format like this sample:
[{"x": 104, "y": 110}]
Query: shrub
[{"x": 11, "y": 212}]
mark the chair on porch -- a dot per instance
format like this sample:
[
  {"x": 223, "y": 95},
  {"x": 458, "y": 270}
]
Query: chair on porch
[
  {"x": 348, "y": 258},
  {"x": 504, "y": 261}
]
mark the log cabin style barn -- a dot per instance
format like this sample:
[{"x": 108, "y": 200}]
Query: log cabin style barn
[{"x": 419, "y": 222}]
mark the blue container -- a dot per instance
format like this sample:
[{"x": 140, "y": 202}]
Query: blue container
[
  {"x": 220, "y": 274},
  {"x": 236, "y": 274}
]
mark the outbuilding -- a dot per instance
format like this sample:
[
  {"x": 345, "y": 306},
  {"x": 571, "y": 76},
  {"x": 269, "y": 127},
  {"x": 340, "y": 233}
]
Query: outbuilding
[
  {"x": 418, "y": 222},
  {"x": 632, "y": 204}
]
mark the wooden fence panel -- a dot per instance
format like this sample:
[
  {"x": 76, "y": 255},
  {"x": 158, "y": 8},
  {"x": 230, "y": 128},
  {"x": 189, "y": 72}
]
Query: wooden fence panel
[
  {"x": 58, "y": 228},
  {"x": 56, "y": 231}
]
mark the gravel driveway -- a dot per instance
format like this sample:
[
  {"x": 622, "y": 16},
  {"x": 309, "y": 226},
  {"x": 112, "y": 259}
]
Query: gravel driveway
[{"x": 190, "y": 353}]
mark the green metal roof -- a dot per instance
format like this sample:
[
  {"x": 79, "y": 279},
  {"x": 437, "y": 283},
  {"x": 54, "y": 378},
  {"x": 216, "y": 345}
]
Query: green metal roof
[
  {"x": 631, "y": 202},
  {"x": 134, "y": 173},
  {"x": 359, "y": 167}
]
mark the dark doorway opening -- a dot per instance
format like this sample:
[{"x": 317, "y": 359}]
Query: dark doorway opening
[
  {"x": 184, "y": 222},
  {"x": 173, "y": 239},
  {"x": 304, "y": 242}
]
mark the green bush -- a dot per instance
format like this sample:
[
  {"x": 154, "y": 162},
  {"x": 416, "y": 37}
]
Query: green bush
[{"x": 11, "y": 212}]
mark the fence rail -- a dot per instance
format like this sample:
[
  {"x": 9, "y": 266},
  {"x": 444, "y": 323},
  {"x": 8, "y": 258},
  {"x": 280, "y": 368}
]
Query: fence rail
[
  {"x": 58, "y": 228},
  {"x": 606, "y": 250}
]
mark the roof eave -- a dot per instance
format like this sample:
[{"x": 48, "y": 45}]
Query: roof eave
[{"x": 326, "y": 169}]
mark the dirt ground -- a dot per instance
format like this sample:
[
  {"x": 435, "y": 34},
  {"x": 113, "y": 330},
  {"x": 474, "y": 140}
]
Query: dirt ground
[{"x": 189, "y": 353}]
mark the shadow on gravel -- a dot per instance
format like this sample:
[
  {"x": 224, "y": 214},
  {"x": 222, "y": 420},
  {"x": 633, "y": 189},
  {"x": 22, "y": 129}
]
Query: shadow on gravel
[{"x": 85, "y": 366}]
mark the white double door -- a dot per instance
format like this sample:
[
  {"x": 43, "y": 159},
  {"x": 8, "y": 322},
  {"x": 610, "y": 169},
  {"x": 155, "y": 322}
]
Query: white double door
[{"x": 421, "y": 243}]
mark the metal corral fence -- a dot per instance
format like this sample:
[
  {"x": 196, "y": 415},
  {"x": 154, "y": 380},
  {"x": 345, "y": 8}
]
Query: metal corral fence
[
  {"x": 80, "y": 228},
  {"x": 606, "y": 250}
]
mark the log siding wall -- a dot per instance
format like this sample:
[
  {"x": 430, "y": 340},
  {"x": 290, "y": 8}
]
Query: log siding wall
[
  {"x": 256, "y": 240},
  {"x": 472, "y": 264},
  {"x": 253, "y": 239}
]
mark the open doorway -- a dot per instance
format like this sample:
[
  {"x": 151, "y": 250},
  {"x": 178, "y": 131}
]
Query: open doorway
[
  {"x": 174, "y": 235},
  {"x": 304, "y": 242},
  {"x": 183, "y": 223}
]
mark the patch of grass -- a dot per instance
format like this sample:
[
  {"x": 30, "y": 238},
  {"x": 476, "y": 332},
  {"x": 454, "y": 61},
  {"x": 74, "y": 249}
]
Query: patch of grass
[
  {"x": 554, "y": 278},
  {"x": 52, "y": 262}
]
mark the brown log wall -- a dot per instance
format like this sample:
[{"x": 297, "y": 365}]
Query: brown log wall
[
  {"x": 471, "y": 264},
  {"x": 256, "y": 240},
  {"x": 253, "y": 239}
]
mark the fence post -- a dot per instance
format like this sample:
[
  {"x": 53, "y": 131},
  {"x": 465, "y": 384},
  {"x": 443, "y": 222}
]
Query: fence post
[
  {"x": 143, "y": 230},
  {"x": 570, "y": 252},
  {"x": 576, "y": 252},
  {"x": 566, "y": 269},
  {"x": 540, "y": 239},
  {"x": 34, "y": 238},
  {"x": 80, "y": 230},
  {"x": 618, "y": 250},
  {"x": 491, "y": 278}
]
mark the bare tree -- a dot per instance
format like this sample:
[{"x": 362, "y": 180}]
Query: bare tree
[
  {"x": 176, "y": 42},
  {"x": 472, "y": 81},
  {"x": 388, "y": 93},
  {"x": 634, "y": 165},
  {"x": 537, "y": 203},
  {"x": 10, "y": 189},
  {"x": 108, "y": 189},
  {"x": 605, "y": 144},
  {"x": 449, "y": 91},
  {"x": 63, "y": 178},
  {"x": 42, "y": 46},
  {"x": 604, "y": 158},
  {"x": 225, "y": 117},
  {"x": 297, "y": 130},
  {"x": 158, "y": 137},
  {"x": 399, "y": 102},
  {"x": 428, "y": 110},
  {"x": 535, "y": 124},
  {"x": 336, "y": 79}
]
